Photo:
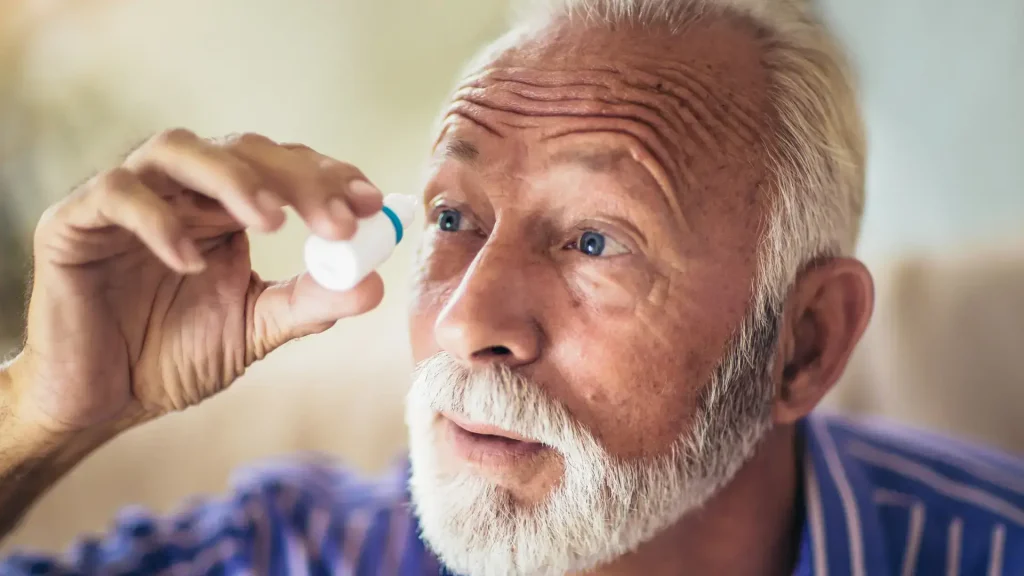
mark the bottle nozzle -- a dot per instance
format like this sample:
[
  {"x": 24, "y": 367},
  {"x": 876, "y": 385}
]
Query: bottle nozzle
[{"x": 404, "y": 206}]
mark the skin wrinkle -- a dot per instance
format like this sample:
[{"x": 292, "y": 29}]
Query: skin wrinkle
[
  {"x": 650, "y": 136},
  {"x": 648, "y": 113},
  {"x": 567, "y": 91},
  {"x": 739, "y": 135},
  {"x": 655, "y": 168},
  {"x": 629, "y": 345},
  {"x": 707, "y": 275},
  {"x": 698, "y": 88},
  {"x": 467, "y": 110},
  {"x": 742, "y": 110},
  {"x": 682, "y": 110},
  {"x": 623, "y": 127}
]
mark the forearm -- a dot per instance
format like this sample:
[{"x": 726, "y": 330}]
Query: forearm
[{"x": 31, "y": 458}]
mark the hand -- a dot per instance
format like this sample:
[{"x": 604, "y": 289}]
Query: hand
[{"x": 144, "y": 300}]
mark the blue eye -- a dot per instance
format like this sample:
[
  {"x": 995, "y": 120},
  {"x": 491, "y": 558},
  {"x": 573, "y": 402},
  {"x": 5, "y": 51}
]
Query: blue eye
[
  {"x": 449, "y": 220},
  {"x": 591, "y": 243},
  {"x": 595, "y": 244}
]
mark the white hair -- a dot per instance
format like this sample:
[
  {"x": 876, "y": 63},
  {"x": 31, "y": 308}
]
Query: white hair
[
  {"x": 816, "y": 143},
  {"x": 602, "y": 507}
]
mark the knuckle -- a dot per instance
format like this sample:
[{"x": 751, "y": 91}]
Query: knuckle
[
  {"x": 246, "y": 140},
  {"x": 173, "y": 137},
  {"x": 51, "y": 217},
  {"x": 338, "y": 168},
  {"x": 111, "y": 181},
  {"x": 335, "y": 174},
  {"x": 298, "y": 147}
]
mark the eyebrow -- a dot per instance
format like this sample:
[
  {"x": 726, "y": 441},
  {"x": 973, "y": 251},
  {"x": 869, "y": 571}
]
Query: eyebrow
[
  {"x": 606, "y": 160},
  {"x": 592, "y": 160},
  {"x": 458, "y": 149}
]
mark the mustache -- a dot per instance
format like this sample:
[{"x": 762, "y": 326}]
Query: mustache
[{"x": 498, "y": 396}]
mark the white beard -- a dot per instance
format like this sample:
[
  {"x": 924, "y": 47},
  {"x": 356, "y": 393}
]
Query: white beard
[{"x": 602, "y": 508}]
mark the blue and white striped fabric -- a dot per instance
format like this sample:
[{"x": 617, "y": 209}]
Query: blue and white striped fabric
[
  {"x": 878, "y": 501},
  {"x": 886, "y": 500}
]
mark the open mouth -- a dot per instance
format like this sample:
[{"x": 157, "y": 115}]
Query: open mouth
[
  {"x": 488, "y": 445},
  {"x": 486, "y": 431}
]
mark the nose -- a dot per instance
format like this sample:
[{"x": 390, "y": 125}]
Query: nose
[{"x": 490, "y": 318}]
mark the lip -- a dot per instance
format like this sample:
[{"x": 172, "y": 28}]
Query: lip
[
  {"x": 486, "y": 429},
  {"x": 488, "y": 447}
]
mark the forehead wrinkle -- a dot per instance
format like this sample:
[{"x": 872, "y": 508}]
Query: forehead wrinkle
[
  {"x": 686, "y": 93},
  {"x": 703, "y": 104},
  {"x": 471, "y": 113},
  {"x": 648, "y": 133},
  {"x": 518, "y": 105},
  {"x": 541, "y": 93},
  {"x": 644, "y": 106},
  {"x": 606, "y": 161},
  {"x": 601, "y": 101},
  {"x": 736, "y": 111},
  {"x": 513, "y": 101},
  {"x": 656, "y": 168}
]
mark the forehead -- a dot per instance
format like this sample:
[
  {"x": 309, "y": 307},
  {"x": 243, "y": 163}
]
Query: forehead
[{"x": 691, "y": 103}]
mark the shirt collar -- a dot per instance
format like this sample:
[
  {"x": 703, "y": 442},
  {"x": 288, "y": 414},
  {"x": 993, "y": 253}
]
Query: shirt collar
[{"x": 842, "y": 532}]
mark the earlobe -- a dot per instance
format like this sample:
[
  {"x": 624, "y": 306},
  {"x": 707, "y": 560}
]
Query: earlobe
[{"x": 826, "y": 314}]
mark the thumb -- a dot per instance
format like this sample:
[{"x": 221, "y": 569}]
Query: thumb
[{"x": 299, "y": 307}]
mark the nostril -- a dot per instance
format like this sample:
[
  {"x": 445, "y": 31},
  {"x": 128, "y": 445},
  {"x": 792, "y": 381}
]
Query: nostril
[{"x": 493, "y": 352}]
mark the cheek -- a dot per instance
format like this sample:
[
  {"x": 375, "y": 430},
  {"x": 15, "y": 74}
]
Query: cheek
[
  {"x": 630, "y": 367},
  {"x": 611, "y": 288},
  {"x": 439, "y": 269},
  {"x": 635, "y": 399},
  {"x": 443, "y": 257}
]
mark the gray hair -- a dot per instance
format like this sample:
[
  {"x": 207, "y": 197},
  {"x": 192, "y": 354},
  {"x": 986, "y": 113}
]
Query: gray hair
[{"x": 816, "y": 151}]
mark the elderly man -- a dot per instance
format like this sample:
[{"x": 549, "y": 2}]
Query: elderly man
[{"x": 635, "y": 288}]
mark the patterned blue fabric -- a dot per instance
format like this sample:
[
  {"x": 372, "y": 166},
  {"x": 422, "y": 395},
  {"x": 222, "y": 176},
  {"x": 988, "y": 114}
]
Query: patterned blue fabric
[{"x": 878, "y": 500}]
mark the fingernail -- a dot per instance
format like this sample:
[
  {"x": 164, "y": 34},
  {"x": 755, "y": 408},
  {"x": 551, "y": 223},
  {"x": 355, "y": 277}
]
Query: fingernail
[
  {"x": 190, "y": 255},
  {"x": 363, "y": 188},
  {"x": 267, "y": 201}
]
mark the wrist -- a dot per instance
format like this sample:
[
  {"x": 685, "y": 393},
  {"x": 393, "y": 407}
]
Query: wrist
[
  {"x": 15, "y": 425},
  {"x": 22, "y": 424}
]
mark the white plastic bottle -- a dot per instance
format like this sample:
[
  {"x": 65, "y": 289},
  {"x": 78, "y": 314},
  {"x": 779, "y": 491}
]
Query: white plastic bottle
[{"x": 341, "y": 265}]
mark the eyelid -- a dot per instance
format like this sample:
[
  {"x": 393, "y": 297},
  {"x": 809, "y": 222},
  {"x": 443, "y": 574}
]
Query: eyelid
[
  {"x": 609, "y": 231},
  {"x": 610, "y": 242},
  {"x": 468, "y": 221}
]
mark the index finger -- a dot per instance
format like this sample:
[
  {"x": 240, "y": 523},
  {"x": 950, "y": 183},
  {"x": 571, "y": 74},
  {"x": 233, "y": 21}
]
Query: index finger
[{"x": 212, "y": 171}]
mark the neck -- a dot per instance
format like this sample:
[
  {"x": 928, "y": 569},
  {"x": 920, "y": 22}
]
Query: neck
[{"x": 756, "y": 513}]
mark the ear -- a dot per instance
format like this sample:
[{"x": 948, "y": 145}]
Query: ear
[{"x": 825, "y": 316}]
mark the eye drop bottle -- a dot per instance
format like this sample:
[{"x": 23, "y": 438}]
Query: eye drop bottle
[{"x": 341, "y": 265}]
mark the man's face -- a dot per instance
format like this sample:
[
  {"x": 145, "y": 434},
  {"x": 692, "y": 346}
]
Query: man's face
[{"x": 594, "y": 211}]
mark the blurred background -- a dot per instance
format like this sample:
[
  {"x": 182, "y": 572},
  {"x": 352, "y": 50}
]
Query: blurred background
[{"x": 82, "y": 82}]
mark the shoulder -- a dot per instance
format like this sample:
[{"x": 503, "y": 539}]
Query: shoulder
[
  {"x": 307, "y": 515},
  {"x": 937, "y": 500},
  {"x": 336, "y": 516},
  {"x": 955, "y": 474},
  {"x": 313, "y": 498},
  {"x": 320, "y": 481}
]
